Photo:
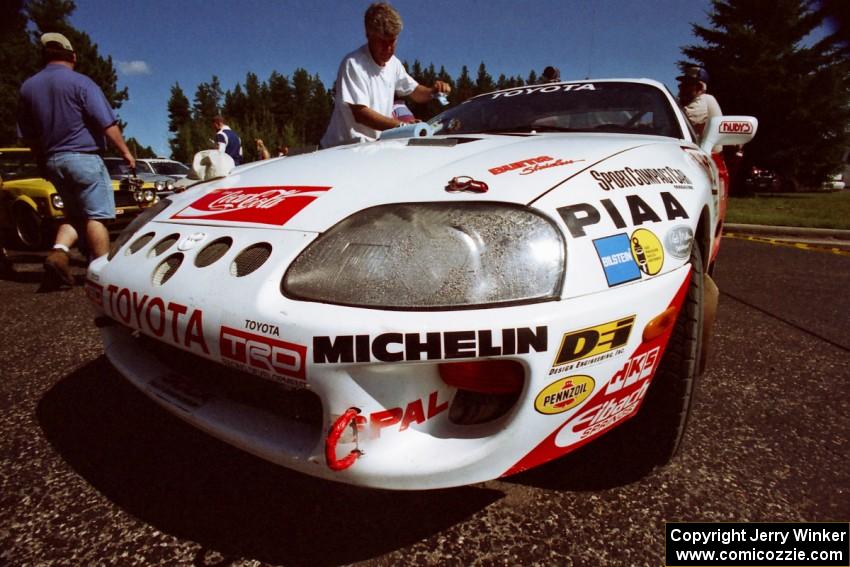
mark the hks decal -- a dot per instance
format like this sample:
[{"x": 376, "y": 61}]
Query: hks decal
[
  {"x": 398, "y": 347},
  {"x": 581, "y": 215},
  {"x": 265, "y": 205}
]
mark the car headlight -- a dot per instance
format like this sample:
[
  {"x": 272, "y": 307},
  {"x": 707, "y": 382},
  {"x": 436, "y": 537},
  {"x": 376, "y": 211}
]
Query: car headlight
[
  {"x": 136, "y": 225},
  {"x": 163, "y": 186},
  {"x": 432, "y": 256},
  {"x": 56, "y": 201}
]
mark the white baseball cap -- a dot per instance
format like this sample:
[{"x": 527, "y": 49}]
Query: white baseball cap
[{"x": 53, "y": 37}]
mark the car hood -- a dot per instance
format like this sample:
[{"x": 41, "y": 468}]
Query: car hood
[{"x": 312, "y": 192}]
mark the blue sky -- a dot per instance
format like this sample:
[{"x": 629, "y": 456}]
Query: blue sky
[{"x": 157, "y": 43}]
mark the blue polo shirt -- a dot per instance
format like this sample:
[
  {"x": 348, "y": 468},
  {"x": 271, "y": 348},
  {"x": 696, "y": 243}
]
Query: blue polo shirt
[
  {"x": 232, "y": 143},
  {"x": 61, "y": 110}
]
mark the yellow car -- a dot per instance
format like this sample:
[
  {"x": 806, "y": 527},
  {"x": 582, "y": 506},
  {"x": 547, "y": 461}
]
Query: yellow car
[{"x": 31, "y": 208}]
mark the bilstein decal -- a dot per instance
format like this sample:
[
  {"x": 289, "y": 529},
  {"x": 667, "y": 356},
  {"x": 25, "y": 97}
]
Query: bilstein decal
[
  {"x": 564, "y": 394},
  {"x": 580, "y": 216},
  {"x": 615, "y": 253},
  {"x": 399, "y": 347},
  {"x": 647, "y": 251}
]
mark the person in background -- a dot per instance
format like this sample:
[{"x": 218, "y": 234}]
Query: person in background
[
  {"x": 262, "y": 152},
  {"x": 368, "y": 81},
  {"x": 65, "y": 119},
  {"x": 698, "y": 105},
  {"x": 228, "y": 141},
  {"x": 550, "y": 75},
  {"x": 282, "y": 151}
]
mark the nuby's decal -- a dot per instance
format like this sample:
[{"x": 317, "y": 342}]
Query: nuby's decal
[
  {"x": 615, "y": 253},
  {"x": 678, "y": 241},
  {"x": 263, "y": 205},
  {"x": 637, "y": 177},
  {"x": 532, "y": 165},
  {"x": 647, "y": 251},
  {"x": 564, "y": 394},
  {"x": 263, "y": 355},
  {"x": 581, "y": 216},
  {"x": 735, "y": 127}
]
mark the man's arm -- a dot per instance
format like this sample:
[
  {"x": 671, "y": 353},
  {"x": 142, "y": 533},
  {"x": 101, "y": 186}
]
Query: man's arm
[
  {"x": 423, "y": 94},
  {"x": 371, "y": 118},
  {"x": 113, "y": 134}
]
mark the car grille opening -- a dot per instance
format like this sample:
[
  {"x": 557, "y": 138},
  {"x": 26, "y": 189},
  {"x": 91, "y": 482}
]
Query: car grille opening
[
  {"x": 140, "y": 243},
  {"x": 250, "y": 259},
  {"x": 164, "y": 245},
  {"x": 213, "y": 252},
  {"x": 166, "y": 269}
]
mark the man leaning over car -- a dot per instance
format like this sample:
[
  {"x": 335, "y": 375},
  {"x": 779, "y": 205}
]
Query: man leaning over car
[{"x": 65, "y": 118}]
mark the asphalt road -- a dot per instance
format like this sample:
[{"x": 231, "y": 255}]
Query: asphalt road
[{"x": 92, "y": 473}]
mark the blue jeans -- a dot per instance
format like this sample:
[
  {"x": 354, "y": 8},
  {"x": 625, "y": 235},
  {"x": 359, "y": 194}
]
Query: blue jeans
[{"x": 84, "y": 185}]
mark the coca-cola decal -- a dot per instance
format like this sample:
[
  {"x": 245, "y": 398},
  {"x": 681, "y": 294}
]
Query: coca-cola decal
[{"x": 264, "y": 205}]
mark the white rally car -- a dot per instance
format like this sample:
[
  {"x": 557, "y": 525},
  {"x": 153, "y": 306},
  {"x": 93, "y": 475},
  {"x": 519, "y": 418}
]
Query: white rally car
[{"x": 440, "y": 310}]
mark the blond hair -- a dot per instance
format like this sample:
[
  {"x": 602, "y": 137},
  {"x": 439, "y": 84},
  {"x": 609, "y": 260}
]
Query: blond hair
[{"x": 383, "y": 20}]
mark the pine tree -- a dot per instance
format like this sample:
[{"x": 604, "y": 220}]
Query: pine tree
[
  {"x": 18, "y": 60},
  {"x": 762, "y": 62}
]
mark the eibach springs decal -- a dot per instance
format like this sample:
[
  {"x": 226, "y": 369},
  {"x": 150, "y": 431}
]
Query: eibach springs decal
[{"x": 263, "y": 205}]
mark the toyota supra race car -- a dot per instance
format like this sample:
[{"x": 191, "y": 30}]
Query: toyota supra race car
[{"x": 436, "y": 310}]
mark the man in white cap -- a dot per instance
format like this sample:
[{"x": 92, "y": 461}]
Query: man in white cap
[
  {"x": 369, "y": 80},
  {"x": 65, "y": 119}
]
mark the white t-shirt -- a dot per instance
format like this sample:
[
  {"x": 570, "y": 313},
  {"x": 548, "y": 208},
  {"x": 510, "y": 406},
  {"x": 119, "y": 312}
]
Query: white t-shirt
[
  {"x": 701, "y": 110},
  {"x": 361, "y": 81}
]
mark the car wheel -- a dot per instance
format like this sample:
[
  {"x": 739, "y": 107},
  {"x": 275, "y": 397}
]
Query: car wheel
[
  {"x": 29, "y": 229},
  {"x": 653, "y": 437}
]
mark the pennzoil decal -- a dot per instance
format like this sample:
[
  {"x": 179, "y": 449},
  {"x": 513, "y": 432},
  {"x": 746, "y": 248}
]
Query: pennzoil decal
[
  {"x": 263, "y": 205},
  {"x": 647, "y": 251},
  {"x": 564, "y": 394}
]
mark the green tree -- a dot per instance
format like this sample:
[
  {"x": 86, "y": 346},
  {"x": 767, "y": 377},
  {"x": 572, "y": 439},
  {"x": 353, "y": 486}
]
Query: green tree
[
  {"x": 180, "y": 125},
  {"x": 18, "y": 60},
  {"x": 763, "y": 62},
  {"x": 483, "y": 82},
  {"x": 464, "y": 89}
]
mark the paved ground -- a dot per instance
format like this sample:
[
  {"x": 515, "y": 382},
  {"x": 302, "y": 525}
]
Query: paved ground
[{"x": 91, "y": 472}]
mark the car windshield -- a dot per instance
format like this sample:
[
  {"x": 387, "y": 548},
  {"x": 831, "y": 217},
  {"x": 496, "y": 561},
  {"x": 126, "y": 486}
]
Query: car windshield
[
  {"x": 169, "y": 168},
  {"x": 630, "y": 108},
  {"x": 17, "y": 165},
  {"x": 116, "y": 166}
]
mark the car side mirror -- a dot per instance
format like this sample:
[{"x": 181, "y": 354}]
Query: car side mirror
[{"x": 728, "y": 131}]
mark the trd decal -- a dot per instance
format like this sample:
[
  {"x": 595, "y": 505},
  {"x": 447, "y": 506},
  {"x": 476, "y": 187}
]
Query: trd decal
[
  {"x": 263, "y": 205},
  {"x": 263, "y": 353}
]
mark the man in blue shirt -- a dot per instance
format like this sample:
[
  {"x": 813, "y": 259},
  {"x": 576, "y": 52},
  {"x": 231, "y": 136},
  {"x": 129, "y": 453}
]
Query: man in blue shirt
[
  {"x": 65, "y": 119},
  {"x": 228, "y": 141}
]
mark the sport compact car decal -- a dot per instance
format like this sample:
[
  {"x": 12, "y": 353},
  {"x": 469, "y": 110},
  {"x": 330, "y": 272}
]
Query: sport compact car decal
[{"x": 263, "y": 205}]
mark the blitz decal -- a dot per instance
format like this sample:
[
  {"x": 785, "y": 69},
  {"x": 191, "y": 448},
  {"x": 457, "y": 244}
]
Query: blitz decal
[
  {"x": 258, "y": 352},
  {"x": 264, "y": 205},
  {"x": 594, "y": 341},
  {"x": 618, "y": 262},
  {"x": 546, "y": 89},
  {"x": 170, "y": 321},
  {"x": 733, "y": 127},
  {"x": 579, "y": 216},
  {"x": 532, "y": 165},
  {"x": 564, "y": 394},
  {"x": 398, "y": 347},
  {"x": 629, "y": 177}
]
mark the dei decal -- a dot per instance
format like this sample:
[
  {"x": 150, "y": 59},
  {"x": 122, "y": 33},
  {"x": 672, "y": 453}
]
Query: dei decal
[
  {"x": 544, "y": 90},
  {"x": 262, "y": 355},
  {"x": 618, "y": 263},
  {"x": 532, "y": 165},
  {"x": 564, "y": 394},
  {"x": 264, "y": 205},
  {"x": 637, "y": 177},
  {"x": 398, "y": 347},
  {"x": 580, "y": 216},
  {"x": 647, "y": 251},
  {"x": 593, "y": 344}
]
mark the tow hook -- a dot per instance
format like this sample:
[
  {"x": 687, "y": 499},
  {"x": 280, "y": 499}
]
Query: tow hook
[{"x": 332, "y": 440}]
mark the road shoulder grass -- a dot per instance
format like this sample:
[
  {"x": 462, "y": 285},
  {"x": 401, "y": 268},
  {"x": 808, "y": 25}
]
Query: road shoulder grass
[{"x": 813, "y": 210}]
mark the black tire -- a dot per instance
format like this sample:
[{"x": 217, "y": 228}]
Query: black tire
[
  {"x": 653, "y": 437},
  {"x": 29, "y": 227}
]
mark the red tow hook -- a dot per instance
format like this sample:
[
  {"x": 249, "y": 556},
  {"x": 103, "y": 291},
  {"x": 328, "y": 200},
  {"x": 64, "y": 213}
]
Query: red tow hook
[{"x": 333, "y": 438}]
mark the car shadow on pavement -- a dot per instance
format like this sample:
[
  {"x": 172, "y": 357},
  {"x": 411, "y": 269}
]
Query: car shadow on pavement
[{"x": 234, "y": 505}]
